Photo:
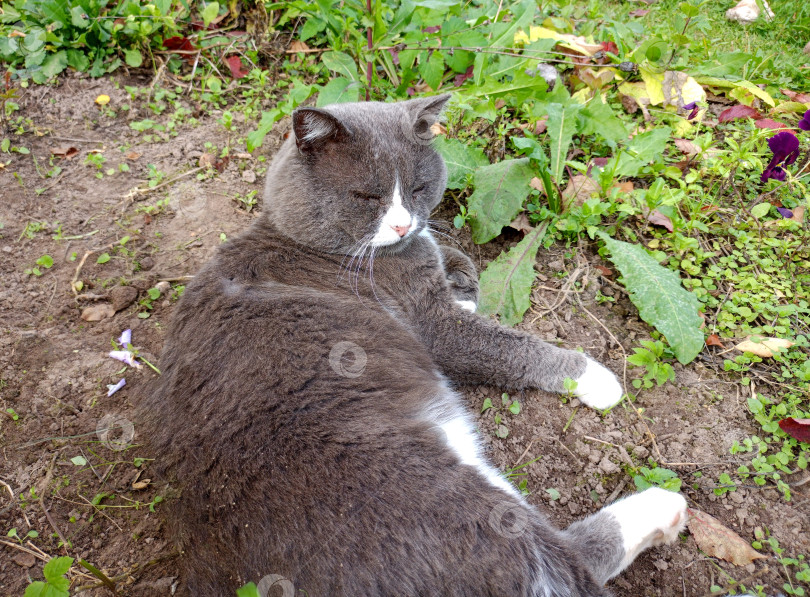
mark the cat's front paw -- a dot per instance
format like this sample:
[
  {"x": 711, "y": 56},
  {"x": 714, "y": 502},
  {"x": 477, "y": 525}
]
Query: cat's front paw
[
  {"x": 598, "y": 386},
  {"x": 653, "y": 517}
]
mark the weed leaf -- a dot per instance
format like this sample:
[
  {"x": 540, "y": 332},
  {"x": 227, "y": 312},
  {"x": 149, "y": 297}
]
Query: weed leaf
[
  {"x": 341, "y": 63},
  {"x": 461, "y": 160},
  {"x": 561, "y": 128},
  {"x": 500, "y": 190},
  {"x": 338, "y": 91},
  {"x": 661, "y": 300},
  {"x": 506, "y": 283}
]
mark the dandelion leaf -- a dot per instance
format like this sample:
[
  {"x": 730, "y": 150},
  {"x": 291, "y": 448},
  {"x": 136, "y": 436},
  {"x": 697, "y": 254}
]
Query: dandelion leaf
[
  {"x": 500, "y": 190},
  {"x": 506, "y": 283},
  {"x": 660, "y": 298}
]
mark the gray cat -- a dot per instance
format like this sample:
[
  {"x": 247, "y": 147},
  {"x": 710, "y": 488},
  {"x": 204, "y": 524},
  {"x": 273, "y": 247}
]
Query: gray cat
[{"x": 306, "y": 409}]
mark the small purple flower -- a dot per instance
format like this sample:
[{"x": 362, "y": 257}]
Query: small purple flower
[
  {"x": 785, "y": 148},
  {"x": 693, "y": 108},
  {"x": 786, "y": 213},
  {"x": 125, "y": 356},
  {"x": 113, "y": 388},
  {"x": 804, "y": 123}
]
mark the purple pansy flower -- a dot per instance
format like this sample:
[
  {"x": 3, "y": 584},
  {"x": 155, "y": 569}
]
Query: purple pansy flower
[
  {"x": 113, "y": 388},
  {"x": 804, "y": 123},
  {"x": 785, "y": 148},
  {"x": 693, "y": 109},
  {"x": 786, "y": 213}
]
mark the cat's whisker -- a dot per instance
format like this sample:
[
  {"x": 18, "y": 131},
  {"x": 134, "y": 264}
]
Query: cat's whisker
[{"x": 445, "y": 235}]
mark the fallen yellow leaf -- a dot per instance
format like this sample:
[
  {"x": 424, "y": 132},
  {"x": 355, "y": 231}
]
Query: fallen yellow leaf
[
  {"x": 767, "y": 347},
  {"x": 103, "y": 100}
]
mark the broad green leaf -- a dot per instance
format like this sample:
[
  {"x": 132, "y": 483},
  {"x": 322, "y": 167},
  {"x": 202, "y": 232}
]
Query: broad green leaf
[
  {"x": 500, "y": 190},
  {"x": 660, "y": 298},
  {"x": 598, "y": 118},
  {"x": 506, "y": 284},
  {"x": 133, "y": 57},
  {"x": 641, "y": 150},
  {"x": 341, "y": 63},
  {"x": 57, "y": 567},
  {"x": 338, "y": 91},
  {"x": 210, "y": 12},
  {"x": 77, "y": 60},
  {"x": 78, "y": 18},
  {"x": 562, "y": 121},
  {"x": 54, "y": 64},
  {"x": 432, "y": 70},
  {"x": 79, "y": 460},
  {"x": 761, "y": 210},
  {"x": 461, "y": 160},
  {"x": 648, "y": 146},
  {"x": 103, "y": 258},
  {"x": 45, "y": 261},
  {"x": 35, "y": 589}
]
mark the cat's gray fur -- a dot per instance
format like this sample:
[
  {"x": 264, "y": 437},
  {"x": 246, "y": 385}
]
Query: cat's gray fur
[{"x": 294, "y": 461}]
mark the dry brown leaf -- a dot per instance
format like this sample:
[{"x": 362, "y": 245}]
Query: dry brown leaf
[
  {"x": 141, "y": 484},
  {"x": 656, "y": 218},
  {"x": 207, "y": 161},
  {"x": 719, "y": 541},
  {"x": 624, "y": 187},
  {"x": 522, "y": 223},
  {"x": 132, "y": 155},
  {"x": 686, "y": 146},
  {"x": 437, "y": 128},
  {"x": 67, "y": 153},
  {"x": 714, "y": 340},
  {"x": 298, "y": 46},
  {"x": 537, "y": 184},
  {"x": 767, "y": 347},
  {"x": 541, "y": 125},
  {"x": 579, "y": 189},
  {"x": 798, "y": 214},
  {"x": 605, "y": 271},
  {"x": 98, "y": 312}
]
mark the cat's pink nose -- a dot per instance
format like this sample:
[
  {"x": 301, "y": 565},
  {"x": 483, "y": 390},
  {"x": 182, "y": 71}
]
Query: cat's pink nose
[{"x": 401, "y": 230}]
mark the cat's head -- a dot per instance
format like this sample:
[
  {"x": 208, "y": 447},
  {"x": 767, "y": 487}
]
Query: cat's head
[{"x": 354, "y": 176}]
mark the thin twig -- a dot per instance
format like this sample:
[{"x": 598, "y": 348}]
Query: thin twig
[
  {"x": 53, "y": 524},
  {"x": 25, "y": 549}
]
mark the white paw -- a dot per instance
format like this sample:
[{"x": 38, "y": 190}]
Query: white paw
[
  {"x": 653, "y": 517},
  {"x": 468, "y": 305},
  {"x": 598, "y": 387}
]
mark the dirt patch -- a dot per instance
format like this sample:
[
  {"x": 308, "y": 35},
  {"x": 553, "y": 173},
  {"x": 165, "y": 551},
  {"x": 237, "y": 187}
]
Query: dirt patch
[{"x": 73, "y": 482}]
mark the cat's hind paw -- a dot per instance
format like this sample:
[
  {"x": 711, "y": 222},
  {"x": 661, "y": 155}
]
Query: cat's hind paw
[
  {"x": 598, "y": 386},
  {"x": 653, "y": 517}
]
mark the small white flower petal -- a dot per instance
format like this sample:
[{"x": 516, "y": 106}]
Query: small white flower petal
[
  {"x": 126, "y": 338},
  {"x": 113, "y": 388}
]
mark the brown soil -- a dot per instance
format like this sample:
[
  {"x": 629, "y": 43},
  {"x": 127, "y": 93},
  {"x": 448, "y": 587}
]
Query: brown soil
[{"x": 54, "y": 368}]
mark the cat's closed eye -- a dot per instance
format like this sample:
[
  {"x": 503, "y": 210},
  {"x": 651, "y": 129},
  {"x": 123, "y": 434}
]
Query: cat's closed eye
[
  {"x": 366, "y": 197},
  {"x": 418, "y": 191}
]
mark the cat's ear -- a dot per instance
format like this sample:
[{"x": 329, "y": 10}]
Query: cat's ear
[
  {"x": 315, "y": 128},
  {"x": 423, "y": 114}
]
